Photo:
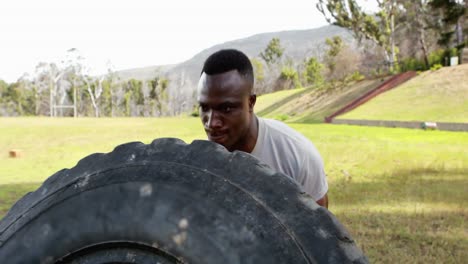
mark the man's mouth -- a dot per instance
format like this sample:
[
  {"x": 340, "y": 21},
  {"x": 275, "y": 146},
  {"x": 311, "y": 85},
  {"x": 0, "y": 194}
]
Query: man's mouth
[{"x": 217, "y": 137}]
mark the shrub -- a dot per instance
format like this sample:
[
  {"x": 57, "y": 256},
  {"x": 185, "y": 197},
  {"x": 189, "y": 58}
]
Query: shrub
[
  {"x": 412, "y": 64},
  {"x": 357, "y": 76},
  {"x": 435, "y": 67},
  {"x": 453, "y": 52},
  {"x": 290, "y": 75},
  {"x": 436, "y": 57}
]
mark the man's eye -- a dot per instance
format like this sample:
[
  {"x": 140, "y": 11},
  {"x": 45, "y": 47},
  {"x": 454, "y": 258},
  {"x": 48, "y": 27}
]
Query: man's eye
[
  {"x": 227, "y": 109},
  {"x": 203, "y": 108}
]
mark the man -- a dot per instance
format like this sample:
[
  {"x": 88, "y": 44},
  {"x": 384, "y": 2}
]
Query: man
[{"x": 226, "y": 102}]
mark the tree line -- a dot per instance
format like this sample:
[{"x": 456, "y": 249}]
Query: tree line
[
  {"x": 402, "y": 35},
  {"x": 69, "y": 89},
  {"x": 404, "y": 28}
]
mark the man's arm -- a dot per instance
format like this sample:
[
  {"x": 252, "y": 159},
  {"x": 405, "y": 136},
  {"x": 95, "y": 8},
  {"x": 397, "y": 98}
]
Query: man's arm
[{"x": 323, "y": 201}]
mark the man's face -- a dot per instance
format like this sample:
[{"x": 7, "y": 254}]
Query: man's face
[{"x": 226, "y": 108}]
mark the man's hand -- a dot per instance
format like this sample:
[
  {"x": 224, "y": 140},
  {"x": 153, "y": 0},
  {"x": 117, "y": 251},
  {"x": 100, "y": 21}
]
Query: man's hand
[{"x": 323, "y": 201}]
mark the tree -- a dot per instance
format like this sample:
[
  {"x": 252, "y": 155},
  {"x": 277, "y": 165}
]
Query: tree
[
  {"x": 313, "y": 72},
  {"x": 417, "y": 19},
  {"x": 109, "y": 87},
  {"x": 94, "y": 88},
  {"x": 335, "y": 45},
  {"x": 27, "y": 95},
  {"x": 379, "y": 27},
  {"x": 258, "y": 70},
  {"x": 259, "y": 74},
  {"x": 452, "y": 15},
  {"x": 3, "y": 89},
  {"x": 272, "y": 52},
  {"x": 81, "y": 72},
  {"x": 18, "y": 97},
  {"x": 340, "y": 59},
  {"x": 179, "y": 100},
  {"x": 62, "y": 80},
  {"x": 158, "y": 94},
  {"x": 48, "y": 75},
  {"x": 289, "y": 79}
]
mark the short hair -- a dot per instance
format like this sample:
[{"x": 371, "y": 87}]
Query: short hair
[{"x": 227, "y": 60}]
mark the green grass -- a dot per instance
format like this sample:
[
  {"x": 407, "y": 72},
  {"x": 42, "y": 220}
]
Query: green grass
[
  {"x": 400, "y": 192},
  {"x": 49, "y": 144},
  {"x": 310, "y": 105},
  {"x": 440, "y": 96},
  {"x": 268, "y": 102}
]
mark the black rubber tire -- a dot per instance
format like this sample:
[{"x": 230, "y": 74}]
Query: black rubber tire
[{"x": 170, "y": 202}]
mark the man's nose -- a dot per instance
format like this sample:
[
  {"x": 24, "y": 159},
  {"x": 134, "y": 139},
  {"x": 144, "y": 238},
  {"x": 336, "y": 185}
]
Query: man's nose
[{"x": 213, "y": 120}]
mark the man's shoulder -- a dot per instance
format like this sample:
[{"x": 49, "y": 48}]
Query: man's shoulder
[
  {"x": 276, "y": 126},
  {"x": 282, "y": 130}
]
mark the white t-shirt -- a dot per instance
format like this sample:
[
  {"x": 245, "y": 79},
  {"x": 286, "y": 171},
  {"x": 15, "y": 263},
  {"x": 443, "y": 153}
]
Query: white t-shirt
[{"x": 287, "y": 151}]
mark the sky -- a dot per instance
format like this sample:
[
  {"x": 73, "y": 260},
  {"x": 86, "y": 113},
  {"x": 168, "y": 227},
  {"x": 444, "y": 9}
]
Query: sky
[{"x": 135, "y": 33}]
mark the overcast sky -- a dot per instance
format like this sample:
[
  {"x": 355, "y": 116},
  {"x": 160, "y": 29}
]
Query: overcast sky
[{"x": 135, "y": 33}]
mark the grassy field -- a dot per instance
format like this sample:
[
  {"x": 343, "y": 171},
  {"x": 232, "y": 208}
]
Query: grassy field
[
  {"x": 266, "y": 102},
  {"x": 440, "y": 96},
  {"x": 310, "y": 105},
  {"x": 50, "y": 144},
  {"x": 401, "y": 193}
]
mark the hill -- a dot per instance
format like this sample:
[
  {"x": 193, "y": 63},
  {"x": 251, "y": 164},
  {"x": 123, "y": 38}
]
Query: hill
[
  {"x": 268, "y": 102},
  {"x": 143, "y": 73},
  {"x": 183, "y": 78},
  {"x": 440, "y": 96},
  {"x": 297, "y": 44},
  {"x": 311, "y": 105}
]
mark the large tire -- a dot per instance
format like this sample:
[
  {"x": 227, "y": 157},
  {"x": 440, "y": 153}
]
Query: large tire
[{"x": 169, "y": 202}]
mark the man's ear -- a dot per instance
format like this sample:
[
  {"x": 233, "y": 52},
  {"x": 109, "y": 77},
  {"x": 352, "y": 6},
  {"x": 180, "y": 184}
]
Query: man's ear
[{"x": 252, "y": 101}]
